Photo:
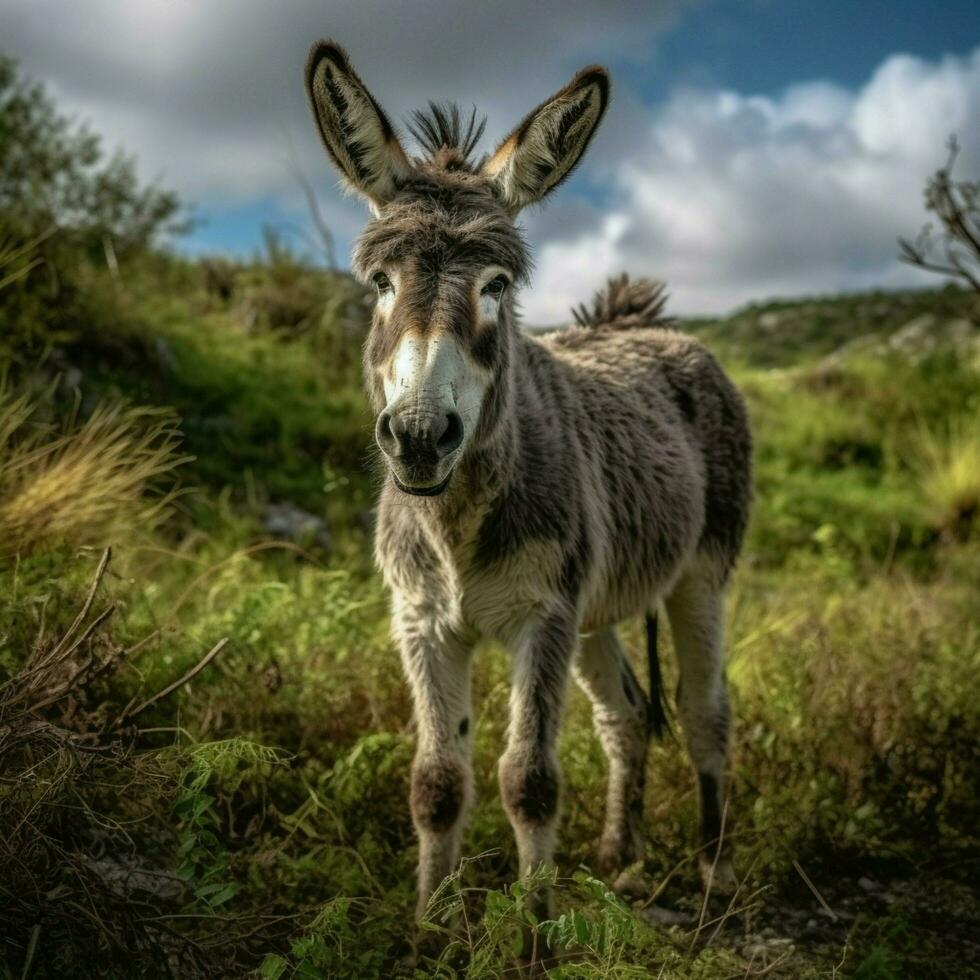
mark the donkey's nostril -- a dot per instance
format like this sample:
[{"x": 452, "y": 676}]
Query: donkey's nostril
[
  {"x": 451, "y": 436},
  {"x": 384, "y": 432}
]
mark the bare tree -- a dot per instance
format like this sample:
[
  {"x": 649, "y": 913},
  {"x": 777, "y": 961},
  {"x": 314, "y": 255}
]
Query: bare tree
[
  {"x": 954, "y": 250},
  {"x": 326, "y": 240}
]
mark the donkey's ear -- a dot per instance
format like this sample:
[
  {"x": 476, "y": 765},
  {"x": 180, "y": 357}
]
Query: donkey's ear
[
  {"x": 353, "y": 127},
  {"x": 537, "y": 156}
]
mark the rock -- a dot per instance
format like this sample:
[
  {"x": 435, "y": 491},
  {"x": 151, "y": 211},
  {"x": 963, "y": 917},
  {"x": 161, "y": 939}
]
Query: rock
[
  {"x": 69, "y": 375},
  {"x": 214, "y": 424},
  {"x": 764, "y": 950},
  {"x": 926, "y": 333},
  {"x": 165, "y": 355},
  {"x": 961, "y": 331},
  {"x": 662, "y": 916},
  {"x": 914, "y": 334},
  {"x": 126, "y": 876},
  {"x": 291, "y": 523},
  {"x": 718, "y": 877}
]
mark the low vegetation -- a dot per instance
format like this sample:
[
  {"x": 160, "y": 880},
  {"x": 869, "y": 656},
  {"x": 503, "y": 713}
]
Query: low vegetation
[{"x": 204, "y": 736}]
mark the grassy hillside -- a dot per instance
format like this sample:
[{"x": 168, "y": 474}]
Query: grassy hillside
[
  {"x": 256, "y": 817},
  {"x": 787, "y": 333}
]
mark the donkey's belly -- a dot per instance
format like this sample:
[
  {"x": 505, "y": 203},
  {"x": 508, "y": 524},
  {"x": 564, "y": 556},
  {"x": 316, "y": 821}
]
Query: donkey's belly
[{"x": 627, "y": 596}]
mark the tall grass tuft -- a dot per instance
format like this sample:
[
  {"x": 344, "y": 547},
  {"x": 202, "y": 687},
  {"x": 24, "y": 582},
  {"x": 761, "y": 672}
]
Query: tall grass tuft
[
  {"x": 89, "y": 483},
  {"x": 17, "y": 260},
  {"x": 948, "y": 466}
]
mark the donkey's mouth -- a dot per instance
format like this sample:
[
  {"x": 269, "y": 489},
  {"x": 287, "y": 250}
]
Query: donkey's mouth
[{"x": 432, "y": 491}]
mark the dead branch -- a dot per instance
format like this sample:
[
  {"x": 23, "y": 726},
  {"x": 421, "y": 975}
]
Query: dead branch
[
  {"x": 86, "y": 606},
  {"x": 181, "y": 681},
  {"x": 67, "y": 860},
  {"x": 955, "y": 251},
  {"x": 316, "y": 216}
]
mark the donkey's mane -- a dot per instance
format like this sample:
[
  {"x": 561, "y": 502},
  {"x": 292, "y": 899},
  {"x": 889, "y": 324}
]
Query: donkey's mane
[{"x": 443, "y": 126}]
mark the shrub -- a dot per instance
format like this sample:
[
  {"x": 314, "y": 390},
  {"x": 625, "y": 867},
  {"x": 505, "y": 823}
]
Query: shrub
[{"x": 59, "y": 192}]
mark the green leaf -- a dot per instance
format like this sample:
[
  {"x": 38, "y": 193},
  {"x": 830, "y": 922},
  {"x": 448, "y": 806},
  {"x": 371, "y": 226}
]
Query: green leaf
[{"x": 273, "y": 967}]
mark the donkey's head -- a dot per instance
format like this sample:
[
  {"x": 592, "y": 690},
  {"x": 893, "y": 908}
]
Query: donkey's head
[{"x": 443, "y": 253}]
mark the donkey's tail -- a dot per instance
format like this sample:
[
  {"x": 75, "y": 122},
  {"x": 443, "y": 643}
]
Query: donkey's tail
[
  {"x": 623, "y": 305},
  {"x": 658, "y": 719}
]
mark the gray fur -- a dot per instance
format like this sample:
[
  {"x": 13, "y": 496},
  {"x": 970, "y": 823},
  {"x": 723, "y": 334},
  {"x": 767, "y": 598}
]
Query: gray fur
[{"x": 606, "y": 468}]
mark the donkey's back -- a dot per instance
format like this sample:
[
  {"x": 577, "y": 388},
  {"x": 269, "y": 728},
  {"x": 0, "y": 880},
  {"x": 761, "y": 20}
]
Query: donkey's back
[{"x": 664, "y": 447}]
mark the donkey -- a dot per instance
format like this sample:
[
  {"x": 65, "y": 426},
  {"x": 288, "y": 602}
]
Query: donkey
[{"x": 538, "y": 490}]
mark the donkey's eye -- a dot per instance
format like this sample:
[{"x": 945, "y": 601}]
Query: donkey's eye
[
  {"x": 382, "y": 282},
  {"x": 495, "y": 287}
]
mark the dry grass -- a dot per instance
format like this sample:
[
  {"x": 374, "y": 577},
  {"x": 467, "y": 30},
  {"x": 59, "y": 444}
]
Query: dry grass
[
  {"x": 948, "y": 466},
  {"x": 17, "y": 260},
  {"x": 88, "y": 483}
]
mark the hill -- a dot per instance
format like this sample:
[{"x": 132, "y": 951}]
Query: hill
[
  {"x": 787, "y": 332},
  {"x": 257, "y": 816}
]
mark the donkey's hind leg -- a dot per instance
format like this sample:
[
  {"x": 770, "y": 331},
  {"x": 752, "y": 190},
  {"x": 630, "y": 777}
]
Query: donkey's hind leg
[
  {"x": 695, "y": 610},
  {"x": 619, "y": 713}
]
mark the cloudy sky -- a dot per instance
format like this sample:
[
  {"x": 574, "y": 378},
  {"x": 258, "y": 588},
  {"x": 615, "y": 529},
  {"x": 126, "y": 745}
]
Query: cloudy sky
[{"x": 753, "y": 149}]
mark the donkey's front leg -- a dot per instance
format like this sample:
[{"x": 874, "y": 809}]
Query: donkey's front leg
[
  {"x": 437, "y": 664},
  {"x": 529, "y": 772}
]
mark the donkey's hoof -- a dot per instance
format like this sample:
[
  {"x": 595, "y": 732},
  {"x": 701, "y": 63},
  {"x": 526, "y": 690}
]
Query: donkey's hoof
[
  {"x": 718, "y": 876},
  {"x": 608, "y": 862},
  {"x": 614, "y": 856}
]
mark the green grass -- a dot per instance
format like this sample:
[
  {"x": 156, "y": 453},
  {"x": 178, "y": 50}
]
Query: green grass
[{"x": 271, "y": 789}]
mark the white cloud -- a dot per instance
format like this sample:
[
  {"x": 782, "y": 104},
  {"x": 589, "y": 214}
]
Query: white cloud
[
  {"x": 732, "y": 197},
  {"x": 728, "y": 196},
  {"x": 207, "y": 95}
]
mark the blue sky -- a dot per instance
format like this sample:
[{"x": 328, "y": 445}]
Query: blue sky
[
  {"x": 753, "y": 149},
  {"x": 766, "y": 45}
]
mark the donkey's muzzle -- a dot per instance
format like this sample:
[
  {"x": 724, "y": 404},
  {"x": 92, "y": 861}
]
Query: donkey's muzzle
[{"x": 417, "y": 445}]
